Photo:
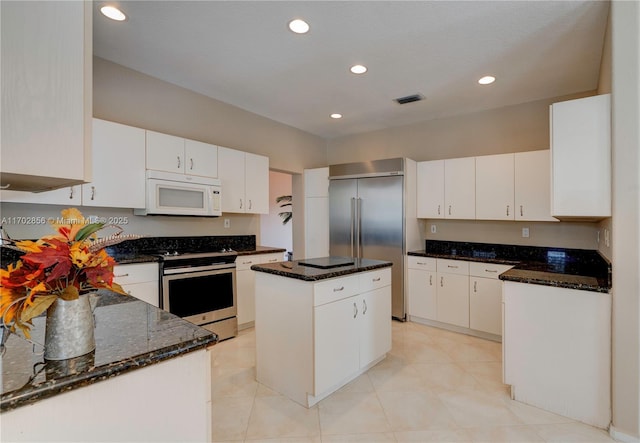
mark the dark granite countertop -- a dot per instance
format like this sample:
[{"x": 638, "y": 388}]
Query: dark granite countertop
[
  {"x": 293, "y": 269},
  {"x": 130, "y": 334},
  {"x": 579, "y": 269},
  {"x": 261, "y": 250}
]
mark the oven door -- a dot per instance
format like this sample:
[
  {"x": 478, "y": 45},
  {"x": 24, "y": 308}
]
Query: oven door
[{"x": 201, "y": 297}]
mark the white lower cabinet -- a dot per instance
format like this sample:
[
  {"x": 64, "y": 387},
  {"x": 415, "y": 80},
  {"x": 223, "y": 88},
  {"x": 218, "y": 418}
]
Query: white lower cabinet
[
  {"x": 453, "y": 299},
  {"x": 422, "y": 287},
  {"x": 246, "y": 285},
  {"x": 314, "y": 337},
  {"x": 140, "y": 280}
]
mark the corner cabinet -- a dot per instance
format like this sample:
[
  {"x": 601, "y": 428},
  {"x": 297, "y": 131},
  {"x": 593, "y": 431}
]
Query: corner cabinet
[
  {"x": 314, "y": 337},
  {"x": 46, "y": 94},
  {"x": 581, "y": 158},
  {"x": 245, "y": 181}
]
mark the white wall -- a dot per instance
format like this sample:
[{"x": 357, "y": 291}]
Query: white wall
[{"x": 272, "y": 231}]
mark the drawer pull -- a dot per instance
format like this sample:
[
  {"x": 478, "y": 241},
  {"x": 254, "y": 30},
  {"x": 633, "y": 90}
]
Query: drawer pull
[
  {"x": 273, "y": 260},
  {"x": 475, "y": 286},
  {"x": 491, "y": 270},
  {"x": 449, "y": 209},
  {"x": 121, "y": 275},
  {"x": 438, "y": 209},
  {"x": 341, "y": 288},
  {"x": 507, "y": 210},
  {"x": 521, "y": 214},
  {"x": 355, "y": 310},
  {"x": 441, "y": 282},
  {"x": 421, "y": 263},
  {"x": 431, "y": 280},
  {"x": 375, "y": 279},
  {"x": 247, "y": 262},
  {"x": 364, "y": 307},
  {"x": 453, "y": 267}
]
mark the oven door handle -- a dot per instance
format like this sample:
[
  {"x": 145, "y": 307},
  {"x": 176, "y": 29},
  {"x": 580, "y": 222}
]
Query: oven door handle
[{"x": 190, "y": 269}]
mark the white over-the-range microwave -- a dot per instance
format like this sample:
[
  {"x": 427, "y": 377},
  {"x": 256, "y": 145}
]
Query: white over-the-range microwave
[{"x": 169, "y": 193}]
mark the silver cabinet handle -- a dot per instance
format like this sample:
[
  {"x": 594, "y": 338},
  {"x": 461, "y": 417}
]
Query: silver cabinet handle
[
  {"x": 122, "y": 275},
  {"x": 431, "y": 280},
  {"x": 93, "y": 192},
  {"x": 250, "y": 204},
  {"x": 521, "y": 214},
  {"x": 375, "y": 279},
  {"x": 240, "y": 203},
  {"x": 441, "y": 282},
  {"x": 490, "y": 270},
  {"x": 475, "y": 286},
  {"x": 179, "y": 164},
  {"x": 71, "y": 193},
  {"x": 420, "y": 263},
  {"x": 341, "y": 288},
  {"x": 355, "y": 310},
  {"x": 364, "y": 307},
  {"x": 438, "y": 209},
  {"x": 273, "y": 260},
  {"x": 449, "y": 209},
  {"x": 452, "y": 267},
  {"x": 191, "y": 166},
  {"x": 247, "y": 262},
  {"x": 507, "y": 210}
]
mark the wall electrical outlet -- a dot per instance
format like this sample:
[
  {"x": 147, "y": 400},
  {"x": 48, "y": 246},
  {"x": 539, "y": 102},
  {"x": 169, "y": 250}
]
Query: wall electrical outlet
[
  {"x": 433, "y": 229},
  {"x": 607, "y": 238},
  {"x": 227, "y": 223},
  {"x": 525, "y": 232}
]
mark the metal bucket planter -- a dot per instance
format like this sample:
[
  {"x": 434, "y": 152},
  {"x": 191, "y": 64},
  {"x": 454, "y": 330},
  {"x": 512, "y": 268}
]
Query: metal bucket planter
[{"x": 69, "y": 329}]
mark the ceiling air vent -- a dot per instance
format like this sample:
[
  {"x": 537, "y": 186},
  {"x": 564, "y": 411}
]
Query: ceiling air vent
[{"x": 409, "y": 99}]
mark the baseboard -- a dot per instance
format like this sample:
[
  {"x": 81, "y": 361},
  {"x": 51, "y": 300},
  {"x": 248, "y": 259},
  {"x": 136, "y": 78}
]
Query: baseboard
[{"x": 621, "y": 436}]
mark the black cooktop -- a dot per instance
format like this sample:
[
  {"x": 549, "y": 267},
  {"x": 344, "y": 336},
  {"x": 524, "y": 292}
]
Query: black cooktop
[{"x": 327, "y": 262}]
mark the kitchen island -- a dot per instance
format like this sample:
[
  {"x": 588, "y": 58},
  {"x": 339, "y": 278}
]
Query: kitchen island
[
  {"x": 147, "y": 380},
  {"x": 320, "y": 323}
]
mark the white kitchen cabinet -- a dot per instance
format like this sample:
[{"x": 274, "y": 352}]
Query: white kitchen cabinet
[
  {"x": 459, "y": 188},
  {"x": 532, "y": 186},
  {"x": 183, "y": 156},
  {"x": 70, "y": 196},
  {"x": 485, "y": 297},
  {"x": 246, "y": 285},
  {"x": 140, "y": 280},
  {"x": 557, "y": 350},
  {"x": 316, "y": 182},
  {"x": 314, "y": 337},
  {"x": 46, "y": 94},
  {"x": 495, "y": 187},
  {"x": 581, "y": 158},
  {"x": 316, "y": 212},
  {"x": 430, "y": 192},
  {"x": 245, "y": 181},
  {"x": 118, "y": 167},
  {"x": 453, "y": 292},
  {"x": 422, "y": 287}
]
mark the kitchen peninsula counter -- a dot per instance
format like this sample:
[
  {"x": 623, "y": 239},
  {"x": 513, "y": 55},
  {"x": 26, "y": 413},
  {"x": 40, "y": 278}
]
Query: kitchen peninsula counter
[{"x": 135, "y": 369}]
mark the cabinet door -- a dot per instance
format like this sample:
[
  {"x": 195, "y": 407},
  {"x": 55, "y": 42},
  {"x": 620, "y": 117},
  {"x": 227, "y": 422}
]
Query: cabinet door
[
  {"x": 375, "y": 324},
  {"x": 256, "y": 183},
  {"x": 581, "y": 132},
  {"x": 453, "y": 299},
  {"x": 147, "y": 291},
  {"x": 430, "y": 192},
  {"x": 200, "y": 159},
  {"x": 495, "y": 187},
  {"x": 165, "y": 152},
  {"x": 231, "y": 174},
  {"x": 118, "y": 167},
  {"x": 316, "y": 219},
  {"x": 485, "y": 305},
  {"x": 422, "y": 295},
  {"x": 71, "y": 196},
  {"x": 459, "y": 188},
  {"x": 337, "y": 342},
  {"x": 316, "y": 182},
  {"x": 532, "y": 186},
  {"x": 246, "y": 287}
]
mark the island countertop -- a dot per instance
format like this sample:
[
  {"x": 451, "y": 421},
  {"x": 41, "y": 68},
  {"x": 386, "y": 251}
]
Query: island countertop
[
  {"x": 130, "y": 334},
  {"x": 321, "y": 268}
]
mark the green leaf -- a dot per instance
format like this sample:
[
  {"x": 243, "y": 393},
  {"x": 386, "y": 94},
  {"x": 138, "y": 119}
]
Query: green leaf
[
  {"x": 38, "y": 307},
  {"x": 87, "y": 230}
]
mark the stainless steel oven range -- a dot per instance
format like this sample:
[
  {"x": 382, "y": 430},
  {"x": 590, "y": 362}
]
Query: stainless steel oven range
[{"x": 201, "y": 288}]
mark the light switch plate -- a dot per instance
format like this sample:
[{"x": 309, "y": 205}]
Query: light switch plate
[
  {"x": 227, "y": 223},
  {"x": 433, "y": 229}
]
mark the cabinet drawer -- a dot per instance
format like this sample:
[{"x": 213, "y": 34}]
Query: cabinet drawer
[
  {"x": 487, "y": 270},
  {"x": 245, "y": 262},
  {"x": 374, "y": 280},
  {"x": 424, "y": 263},
  {"x": 453, "y": 266},
  {"x": 136, "y": 273},
  {"x": 335, "y": 289}
]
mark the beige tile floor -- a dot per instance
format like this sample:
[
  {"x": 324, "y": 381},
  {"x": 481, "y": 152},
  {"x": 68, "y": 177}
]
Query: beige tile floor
[{"x": 434, "y": 386}]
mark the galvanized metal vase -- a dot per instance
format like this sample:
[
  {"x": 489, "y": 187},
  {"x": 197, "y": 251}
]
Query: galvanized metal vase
[{"x": 69, "y": 328}]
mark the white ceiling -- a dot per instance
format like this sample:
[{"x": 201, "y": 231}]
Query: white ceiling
[{"x": 242, "y": 53}]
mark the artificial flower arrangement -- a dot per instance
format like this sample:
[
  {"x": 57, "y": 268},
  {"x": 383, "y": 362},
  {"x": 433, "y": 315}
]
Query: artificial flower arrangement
[{"x": 65, "y": 265}]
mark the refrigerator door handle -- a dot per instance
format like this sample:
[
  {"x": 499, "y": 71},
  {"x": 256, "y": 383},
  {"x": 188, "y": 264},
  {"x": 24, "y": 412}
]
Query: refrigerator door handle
[
  {"x": 359, "y": 243},
  {"x": 352, "y": 224}
]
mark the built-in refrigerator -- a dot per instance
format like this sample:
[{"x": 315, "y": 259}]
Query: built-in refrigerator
[{"x": 367, "y": 217}]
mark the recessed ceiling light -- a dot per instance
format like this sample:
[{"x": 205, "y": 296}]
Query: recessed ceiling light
[
  {"x": 299, "y": 26},
  {"x": 487, "y": 80},
  {"x": 336, "y": 115},
  {"x": 358, "y": 69},
  {"x": 113, "y": 13}
]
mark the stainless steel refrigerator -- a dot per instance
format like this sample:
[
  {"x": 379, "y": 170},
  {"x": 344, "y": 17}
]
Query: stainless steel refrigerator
[{"x": 366, "y": 217}]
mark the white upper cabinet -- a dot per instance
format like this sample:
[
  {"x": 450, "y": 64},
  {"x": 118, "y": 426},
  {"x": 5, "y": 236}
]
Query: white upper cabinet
[
  {"x": 430, "y": 192},
  {"x": 71, "y": 195},
  {"x": 459, "y": 188},
  {"x": 581, "y": 158},
  {"x": 316, "y": 182},
  {"x": 175, "y": 154},
  {"x": 245, "y": 181},
  {"x": 494, "y": 187},
  {"x": 316, "y": 212},
  {"x": 532, "y": 186},
  {"x": 118, "y": 167},
  {"x": 46, "y": 93}
]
